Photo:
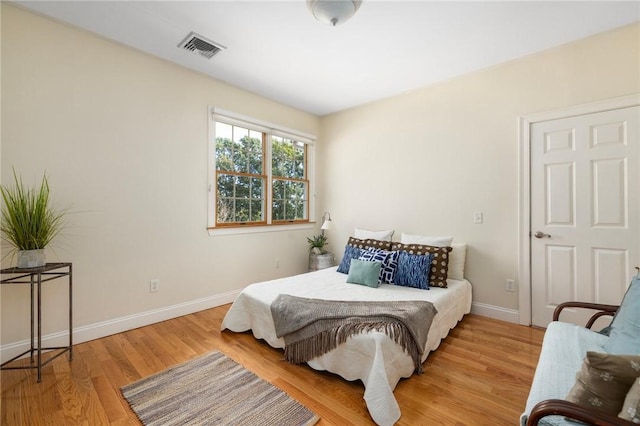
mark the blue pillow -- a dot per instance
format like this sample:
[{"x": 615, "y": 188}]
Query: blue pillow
[
  {"x": 413, "y": 270},
  {"x": 364, "y": 272},
  {"x": 624, "y": 337},
  {"x": 350, "y": 252},
  {"x": 389, "y": 261},
  {"x": 390, "y": 267}
]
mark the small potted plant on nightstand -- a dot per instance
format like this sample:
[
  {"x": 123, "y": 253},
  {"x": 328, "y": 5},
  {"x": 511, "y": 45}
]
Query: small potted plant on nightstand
[
  {"x": 319, "y": 258},
  {"x": 29, "y": 221}
]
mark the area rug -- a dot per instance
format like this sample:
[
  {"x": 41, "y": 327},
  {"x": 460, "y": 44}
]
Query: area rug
[{"x": 213, "y": 390}]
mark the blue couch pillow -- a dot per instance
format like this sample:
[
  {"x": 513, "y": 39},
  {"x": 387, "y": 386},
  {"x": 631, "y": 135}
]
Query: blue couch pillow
[
  {"x": 389, "y": 261},
  {"x": 624, "y": 337},
  {"x": 413, "y": 270},
  {"x": 364, "y": 272},
  {"x": 350, "y": 252}
]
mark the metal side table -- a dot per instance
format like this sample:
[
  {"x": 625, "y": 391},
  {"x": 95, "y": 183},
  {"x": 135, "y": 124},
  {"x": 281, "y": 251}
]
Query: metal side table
[{"x": 35, "y": 277}]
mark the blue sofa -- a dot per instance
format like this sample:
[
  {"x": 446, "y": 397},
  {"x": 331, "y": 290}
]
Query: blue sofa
[{"x": 563, "y": 351}]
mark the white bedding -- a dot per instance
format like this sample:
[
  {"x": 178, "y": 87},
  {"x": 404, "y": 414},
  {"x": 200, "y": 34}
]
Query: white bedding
[{"x": 371, "y": 357}]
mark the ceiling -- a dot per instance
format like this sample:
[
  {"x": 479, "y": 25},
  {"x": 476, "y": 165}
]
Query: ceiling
[{"x": 278, "y": 50}]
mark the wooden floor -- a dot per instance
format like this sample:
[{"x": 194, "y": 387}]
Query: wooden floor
[{"x": 479, "y": 375}]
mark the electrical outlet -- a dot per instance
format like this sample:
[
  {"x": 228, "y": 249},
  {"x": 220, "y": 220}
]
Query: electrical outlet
[
  {"x": 510, "y": 285},
  {"x": 277, "y": 263},
  {"x": 154, "y": 286}
]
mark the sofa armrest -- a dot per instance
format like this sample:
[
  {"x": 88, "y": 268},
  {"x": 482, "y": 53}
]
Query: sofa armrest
[
  {"x": 559, "y": 407},
  {"x": 602, "y": 310}
]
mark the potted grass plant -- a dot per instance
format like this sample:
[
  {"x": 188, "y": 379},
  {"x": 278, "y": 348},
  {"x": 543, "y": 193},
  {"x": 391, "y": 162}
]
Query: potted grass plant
[
  {"x": 29, "y": 222},
  {"x": 319, "y": 257},
  {"x": 317, "y": 243}
]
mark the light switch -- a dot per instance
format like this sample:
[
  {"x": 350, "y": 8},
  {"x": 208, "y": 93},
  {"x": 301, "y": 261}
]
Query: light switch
[{"x": 477, "y": 217}]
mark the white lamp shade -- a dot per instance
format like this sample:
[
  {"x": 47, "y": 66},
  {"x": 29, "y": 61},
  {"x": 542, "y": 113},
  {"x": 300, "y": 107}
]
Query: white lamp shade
[
  {"x": 326, "y": 225},
  {"x": 333, "y": 12}
]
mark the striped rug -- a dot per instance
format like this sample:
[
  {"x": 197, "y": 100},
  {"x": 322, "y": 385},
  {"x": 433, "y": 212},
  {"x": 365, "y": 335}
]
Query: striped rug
[{"x": 213, "y": 390}]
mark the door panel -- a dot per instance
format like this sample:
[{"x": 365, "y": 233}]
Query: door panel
[
  {"x": 609, "y": 195},
  {"x": 561, "y": 274},
  {"x": 585, "y": 192},
  {"x": 559, "y": 194},
  {"x": 610, "y": 267}
]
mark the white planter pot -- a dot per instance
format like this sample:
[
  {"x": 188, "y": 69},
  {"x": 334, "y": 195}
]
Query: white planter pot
[
  {"x": 31, "y": 258},
  {"x": 320, "y": 261}
]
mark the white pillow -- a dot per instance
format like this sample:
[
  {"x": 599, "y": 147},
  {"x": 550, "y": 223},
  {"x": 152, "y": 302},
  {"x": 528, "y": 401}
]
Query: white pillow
[
  {"x": 364, "y": 234},
  {"x": 426, "y": 240},
  {"x": 456, "y": 261}
]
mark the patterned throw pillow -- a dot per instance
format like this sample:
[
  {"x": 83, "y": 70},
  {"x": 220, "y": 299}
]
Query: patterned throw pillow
[
  {"x": 604, "y": 380},
  {"x": 631, "y": 407},
  {"x": 369, "y": 243},
  {"x": 350, "y": 252},
  {"x": 439, "y": 261},
  {"x": 413, "y": 270},
  {"x": 389, "y": 261}
]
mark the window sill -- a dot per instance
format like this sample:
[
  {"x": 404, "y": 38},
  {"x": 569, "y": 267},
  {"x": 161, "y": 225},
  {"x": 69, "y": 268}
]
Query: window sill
[{"x": 214, "y": 232}]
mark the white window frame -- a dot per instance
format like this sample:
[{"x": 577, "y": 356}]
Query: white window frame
[{"x": 270, "y": 129}]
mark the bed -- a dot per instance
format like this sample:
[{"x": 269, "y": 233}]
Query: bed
[{"x": 371, "y": 357}]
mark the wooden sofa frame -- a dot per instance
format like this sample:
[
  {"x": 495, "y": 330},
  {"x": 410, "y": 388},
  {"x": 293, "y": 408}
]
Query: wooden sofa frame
[{"x": 559, "y": 407}]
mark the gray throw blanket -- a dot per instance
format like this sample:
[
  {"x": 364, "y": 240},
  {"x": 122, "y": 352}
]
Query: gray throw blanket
[{"x": 312, "y": 327}]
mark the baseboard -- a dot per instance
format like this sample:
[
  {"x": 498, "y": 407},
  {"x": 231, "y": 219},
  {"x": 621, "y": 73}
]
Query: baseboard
[
  {"x": 495, "y": 312},
  {"x": 118, "y": 325}
]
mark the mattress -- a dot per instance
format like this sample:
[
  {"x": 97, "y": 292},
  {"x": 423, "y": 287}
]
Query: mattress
[{"x": 371, "y": 357}]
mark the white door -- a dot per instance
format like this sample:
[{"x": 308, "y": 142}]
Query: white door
[{"x": 585, "y": 210}]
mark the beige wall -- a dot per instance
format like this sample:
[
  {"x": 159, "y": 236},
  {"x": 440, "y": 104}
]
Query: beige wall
[
  {"x": 123, "y": 137},
  {"x": 424, "y": 161}
]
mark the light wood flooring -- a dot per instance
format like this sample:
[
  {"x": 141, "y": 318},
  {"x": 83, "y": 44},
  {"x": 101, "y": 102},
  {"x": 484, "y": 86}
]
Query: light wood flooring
[{"x": 480, "y": 375}]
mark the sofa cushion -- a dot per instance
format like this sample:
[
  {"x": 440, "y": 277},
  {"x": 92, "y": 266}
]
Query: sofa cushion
[
  {"x": 604, "y": 380},
  {"x": 558, "y": 364},
  {"x": 624, "y": 336}
]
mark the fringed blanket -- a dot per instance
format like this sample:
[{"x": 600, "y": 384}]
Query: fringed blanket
[{"x": 312, "y": 327}]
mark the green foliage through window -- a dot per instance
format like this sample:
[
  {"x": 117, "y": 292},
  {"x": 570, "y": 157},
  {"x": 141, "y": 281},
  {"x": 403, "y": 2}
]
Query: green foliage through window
[{"x": 241, "y": 177}]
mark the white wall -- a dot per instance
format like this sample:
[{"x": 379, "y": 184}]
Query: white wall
[
  {"x": 425, "y": 161},
  {"x": 123, "y": 138}
]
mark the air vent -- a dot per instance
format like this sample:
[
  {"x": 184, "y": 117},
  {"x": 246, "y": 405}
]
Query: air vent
[{"x": 199, "y": 45}]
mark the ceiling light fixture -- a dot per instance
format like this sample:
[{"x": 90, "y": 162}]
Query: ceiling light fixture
[{"x": 333, "y": 12}]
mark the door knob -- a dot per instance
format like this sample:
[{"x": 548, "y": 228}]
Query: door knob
[{"x": 541, "y": 235}]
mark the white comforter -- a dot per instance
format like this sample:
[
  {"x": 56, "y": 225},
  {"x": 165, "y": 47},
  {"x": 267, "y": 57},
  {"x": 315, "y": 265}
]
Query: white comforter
[{"x": 371, "y": 357}]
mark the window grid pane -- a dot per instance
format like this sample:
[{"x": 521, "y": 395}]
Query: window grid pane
[
  {"x": 241, "y": 181},
  {"x": 291, "y": 201},
  {"x": 240, "y": 199},
  {"x": 288, "y": 158}
]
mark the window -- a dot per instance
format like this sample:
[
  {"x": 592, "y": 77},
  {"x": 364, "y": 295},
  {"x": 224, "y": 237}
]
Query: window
[
  {"x": 261, "y": 174},
  {"x": 240, "y": 175},
  {"x": 289, "y": 183}
]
